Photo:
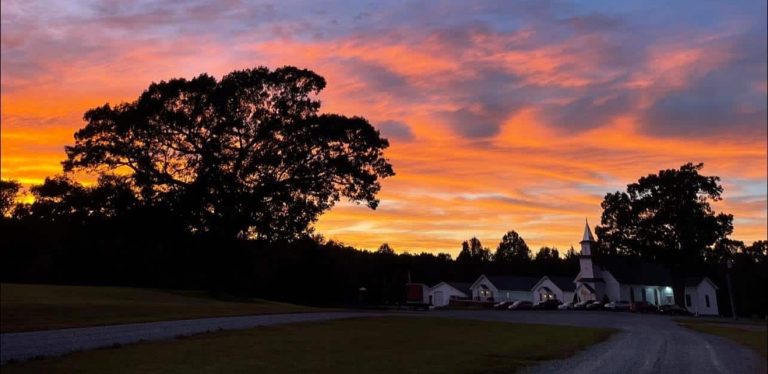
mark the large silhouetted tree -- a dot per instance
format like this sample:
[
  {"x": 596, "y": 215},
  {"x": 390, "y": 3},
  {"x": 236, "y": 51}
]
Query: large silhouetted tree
[
  {"x": 667, "y": 218},
  {"x": 512, "y": 248},
  {"x": 245, "y": 156}
]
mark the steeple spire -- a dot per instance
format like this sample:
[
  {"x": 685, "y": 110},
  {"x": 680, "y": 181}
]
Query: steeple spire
[{"x": 587, "y": 237}]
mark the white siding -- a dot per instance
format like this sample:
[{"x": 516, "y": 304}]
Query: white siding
[
  {"x": 478, "y": 286},
  {"x": 538, "y": 291},
  {"x": 703, "y": 299},
  {"x": 612, "y": 287},
  {"x": 509, "y": 295},
  {"x": 541, "y": 289},
  {"x": 567, "y": 296},
  {"x": 441, "y": 294}
]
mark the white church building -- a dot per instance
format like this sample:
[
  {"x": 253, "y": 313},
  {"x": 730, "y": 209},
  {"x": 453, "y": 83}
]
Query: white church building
[{"x": 631, "y": 280}]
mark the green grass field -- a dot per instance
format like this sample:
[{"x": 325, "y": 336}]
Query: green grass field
[
  {"x": 366, "y": 345},
  {"x": 754, "y": 336},
  {"x": 42, "y": 307}
]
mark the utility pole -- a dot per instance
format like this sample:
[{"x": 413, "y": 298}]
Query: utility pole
[{"x": 729, "y": 264}]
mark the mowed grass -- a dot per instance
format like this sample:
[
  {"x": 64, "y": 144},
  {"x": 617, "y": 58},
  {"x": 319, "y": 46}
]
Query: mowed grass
[
  {"x": 25, "y": 307},
  {"x": 754, "y": 336},
  {"x": 366, "y": 345}
]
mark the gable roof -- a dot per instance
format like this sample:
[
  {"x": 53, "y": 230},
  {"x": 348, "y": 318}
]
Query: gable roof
[
  {"x": 564, "y": 283},
  {"x": 588, "y": 287},
  {"x": 513, "y": 283},
  {"x": 696, "y": 281},
  {"x": 459, "y": 286},
  {"x": 633, "y": 271}
]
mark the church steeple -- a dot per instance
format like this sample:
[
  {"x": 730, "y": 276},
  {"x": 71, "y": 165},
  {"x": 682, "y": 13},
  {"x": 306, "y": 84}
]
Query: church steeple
[
  {"x": 587, "y": 240},
  {"x": 587, "y": 237}
]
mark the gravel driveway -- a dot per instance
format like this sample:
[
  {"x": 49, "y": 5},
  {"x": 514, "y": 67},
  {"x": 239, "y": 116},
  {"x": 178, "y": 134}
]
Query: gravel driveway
[
  {"x": 26, "y": 345},
  {"x": 645, "y": 344}
]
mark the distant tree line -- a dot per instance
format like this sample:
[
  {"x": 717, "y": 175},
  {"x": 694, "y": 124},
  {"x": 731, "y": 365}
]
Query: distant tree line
[{"x": 99, "y": 235}]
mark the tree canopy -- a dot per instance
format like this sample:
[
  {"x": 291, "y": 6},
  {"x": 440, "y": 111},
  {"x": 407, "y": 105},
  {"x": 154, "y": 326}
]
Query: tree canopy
[
  {"x": 666, "y": 217},
  {"x": 547, "y": 254},
  {"x": 9, "y": 189},
  {"x": 245, "y": 156},
  {"x": 384, "y": 248},
  {"x": 511, "y": 248},
  {"x": 473, "y": 251}
]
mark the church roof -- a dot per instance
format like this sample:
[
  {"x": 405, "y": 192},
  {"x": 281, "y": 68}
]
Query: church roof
[
  {"x": 564, "y": 283},
  {"x": 461, "y": 286},
  {"x": 513, "y": 283},
  {"x": 587, "y": 237},
  {"x": 635, "y": 271}
]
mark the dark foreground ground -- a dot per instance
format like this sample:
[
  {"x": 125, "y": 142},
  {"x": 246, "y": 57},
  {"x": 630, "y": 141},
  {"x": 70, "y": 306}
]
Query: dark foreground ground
[
  {"x": 396, "y": 343},
  {"x": 645, "y": 344}
]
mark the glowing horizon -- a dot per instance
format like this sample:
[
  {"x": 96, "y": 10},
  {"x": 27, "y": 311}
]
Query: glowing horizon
[{"x": 499, "y": 116}]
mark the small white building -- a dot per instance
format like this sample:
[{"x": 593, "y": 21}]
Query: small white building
[
  {"x": 554, "y": 288},
  {"x": 503, "y": 288},
  {"x": 442, "y": 293},
  {"x": 623, "y": 279},
  {"x": 701, "y": 296}
]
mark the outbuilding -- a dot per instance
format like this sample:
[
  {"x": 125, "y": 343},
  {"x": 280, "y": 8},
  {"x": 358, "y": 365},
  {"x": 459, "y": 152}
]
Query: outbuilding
[
  {"x": 701, "y": 296},
  {"x": 442, "y": 293}
]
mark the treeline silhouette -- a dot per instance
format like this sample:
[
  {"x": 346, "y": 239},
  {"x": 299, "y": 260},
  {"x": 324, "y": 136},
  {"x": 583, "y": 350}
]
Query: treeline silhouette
[{"x": 147, "y": 247}]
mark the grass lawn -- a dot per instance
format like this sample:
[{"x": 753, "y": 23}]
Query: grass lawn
[
  {"x": 26, "y": 307},
  {"x": 754, "y": 336},
  {"x": 365, "y": 345}
]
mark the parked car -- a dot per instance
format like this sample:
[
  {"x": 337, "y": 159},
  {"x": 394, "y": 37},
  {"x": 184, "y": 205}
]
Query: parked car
[
  {"x": 622, "y": 305},
  {"x": 674, "y": 309},
  {"x": 642, "y": 307},
  {"x": 581, "y": 304},
  {"x": 521, "y": 305},
  {"x": 566, "y": 306},
  {"x": 595, "y": 305},
  {"x": 502, "y": 305},
  {"x": 551, "y": 304}
]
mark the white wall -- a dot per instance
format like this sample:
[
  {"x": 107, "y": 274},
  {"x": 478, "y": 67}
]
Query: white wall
[
  {"x": 476, "y": 287},
  {"x": 698, "y": 296},
  {"x": 567, "y": 296},
  {"x": 510, "y": 295},
  {"x": 612, "y": 287},
  {"x": 441, "y": 294},
  {"x": 538, "y": 290}
]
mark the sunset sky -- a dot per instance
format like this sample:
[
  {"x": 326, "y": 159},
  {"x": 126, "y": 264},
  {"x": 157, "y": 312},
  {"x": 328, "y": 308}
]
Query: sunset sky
[{"x": 501, "y": 115}]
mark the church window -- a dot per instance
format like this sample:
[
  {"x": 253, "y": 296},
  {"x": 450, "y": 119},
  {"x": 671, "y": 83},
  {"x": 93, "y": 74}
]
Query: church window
[
  {"x": 706, "y": 300},
  {"x": 687, "y": 299}
]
